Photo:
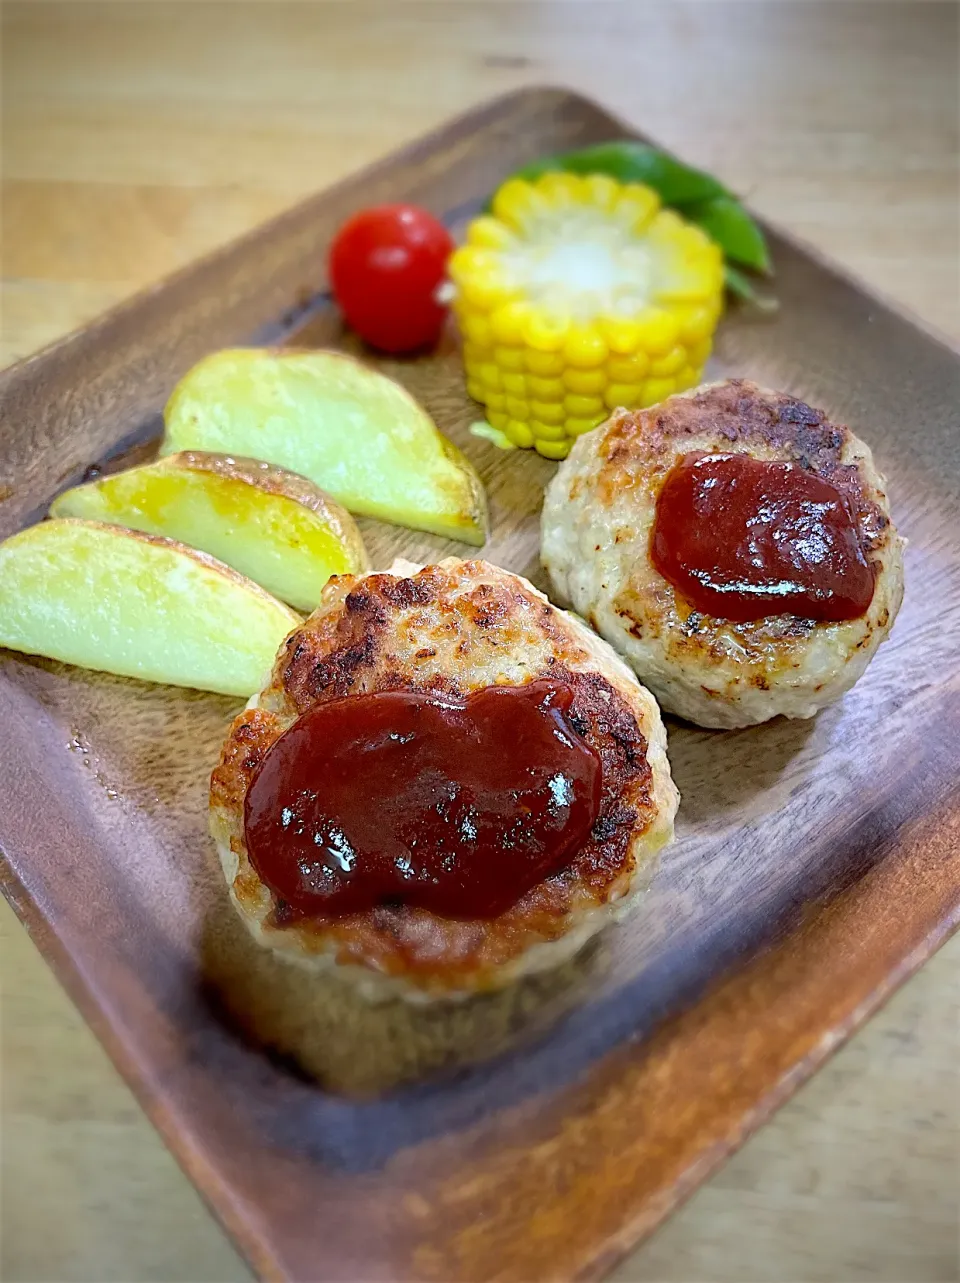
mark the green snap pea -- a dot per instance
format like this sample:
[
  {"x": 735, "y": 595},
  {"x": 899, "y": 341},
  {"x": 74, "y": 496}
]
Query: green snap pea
[{"x": 699, "y": 196}]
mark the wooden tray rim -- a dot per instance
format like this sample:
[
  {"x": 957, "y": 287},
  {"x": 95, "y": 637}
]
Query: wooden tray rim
[{"x": 216, "y": 1191}]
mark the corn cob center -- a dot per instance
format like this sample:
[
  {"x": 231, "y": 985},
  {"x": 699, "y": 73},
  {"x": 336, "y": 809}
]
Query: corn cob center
[
  {"x": 577, "y": 295},
  {"x": 584, "y": 265}
]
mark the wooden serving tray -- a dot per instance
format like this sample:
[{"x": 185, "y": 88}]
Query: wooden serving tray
[{"x": 817, "y": 863}]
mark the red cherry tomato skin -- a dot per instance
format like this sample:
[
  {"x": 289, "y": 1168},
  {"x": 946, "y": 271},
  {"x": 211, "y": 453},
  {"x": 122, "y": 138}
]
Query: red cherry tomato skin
[{"x": 385, "y": 267}]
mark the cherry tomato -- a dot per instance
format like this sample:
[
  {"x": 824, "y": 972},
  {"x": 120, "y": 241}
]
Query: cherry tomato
[{"x": 385, "y": 266}]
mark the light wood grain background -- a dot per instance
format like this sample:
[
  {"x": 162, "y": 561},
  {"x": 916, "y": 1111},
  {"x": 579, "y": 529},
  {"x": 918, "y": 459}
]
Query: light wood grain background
[{"x": 136, "y": 136}]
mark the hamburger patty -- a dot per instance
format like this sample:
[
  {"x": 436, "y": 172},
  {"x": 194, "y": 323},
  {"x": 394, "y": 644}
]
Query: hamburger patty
[
  {"x": 597, "y": 520},
  {"x": 451, "y": 629}
]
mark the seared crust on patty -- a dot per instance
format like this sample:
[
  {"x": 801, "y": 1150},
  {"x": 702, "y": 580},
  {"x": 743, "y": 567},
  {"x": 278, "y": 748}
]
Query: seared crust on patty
[
  {"x": 451, "y": 629},
  {"x": 737, "y": 415},
  {"x": 595, "y": 545}
]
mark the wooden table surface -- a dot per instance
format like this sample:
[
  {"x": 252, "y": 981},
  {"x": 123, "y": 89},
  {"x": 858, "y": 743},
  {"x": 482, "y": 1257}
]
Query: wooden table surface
[{"x": 137, "y": 135}]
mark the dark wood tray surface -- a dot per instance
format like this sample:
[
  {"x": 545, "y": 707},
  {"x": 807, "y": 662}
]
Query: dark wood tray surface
[{"x": 817, "y": 863}]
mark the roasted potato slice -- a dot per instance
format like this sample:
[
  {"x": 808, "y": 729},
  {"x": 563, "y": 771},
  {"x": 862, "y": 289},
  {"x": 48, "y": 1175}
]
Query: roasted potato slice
[
  {"x": 345, "y": 426},
  {"x": 276, "y": 528},
  {"x": 138, "y": 605}
]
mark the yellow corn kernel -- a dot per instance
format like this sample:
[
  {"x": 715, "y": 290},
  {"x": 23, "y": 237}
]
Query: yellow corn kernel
[
  {"x": 695, "y": 241},
  {"x": 507, "y": 322},
  {"x": 495, "y": 401},
  {"x": 686, "y": 282},
  {"x": 665, "y": 366},
  {"x": 552, "y": 449},
  {"x": 577, "y": 427},
  {"x": 476, "y": 329},
  {"x": 519, "y": 433},
  {"x": 626, "y": 394},
  {"x": 490, "y": 233},
  {"x": 548, "y": 431},
  {"x": 515, "y": 384},
  {"x": 475, "y": 390},
  {"x": 585, "y": 382},
  {"x": 582, "y": 407},
  {"x": 561, "y": 188},
  {"x": 471, "y": 260},
  {"x": 546, "y": 389},
  {"x": 585, "y": 347},
  {"x": 658, "y": 330},
  {"x": 637, "y": 206},
  {"x": 628, "y": 369},
  {"x": 688, "y": 377},
  {"x": 518, "y": 408},
  {"x": 657, "y": 390},
  {"x": 485, "y": 293},
  {"x": 546, "y": 364},
  {"x": 601, "y": 191},
  {"x": 697, "y": 325},
  {"x": 497, "y": 419},
  {"x": 517, "y": 202},
  {"x": 623, "y": 334},
  {"x": 488, "y": 372},
  {"x": 667, "y": 227},
  {"x": 700, "y": 353},
  {"x": 508, "y": 358},
  {"x": 546, "y": 411},
  {"x": 546, "y": 333}
]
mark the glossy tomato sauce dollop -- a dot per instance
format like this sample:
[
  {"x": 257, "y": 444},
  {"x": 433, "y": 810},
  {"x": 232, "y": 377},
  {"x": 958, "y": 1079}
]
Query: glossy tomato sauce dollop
[
  {"x": 456, "y": 806},
  {"x": 742, "y": 538}
]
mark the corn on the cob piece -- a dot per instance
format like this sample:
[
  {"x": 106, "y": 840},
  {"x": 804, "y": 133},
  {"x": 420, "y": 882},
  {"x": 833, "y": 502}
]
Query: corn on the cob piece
[{"x": 579, "y": 294}]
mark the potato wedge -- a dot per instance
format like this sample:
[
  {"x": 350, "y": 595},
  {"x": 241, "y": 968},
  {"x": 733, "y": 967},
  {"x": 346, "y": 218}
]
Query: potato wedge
[
  {"x": 137, "y": 605},
  {"x": 346, "y": 427},
  {"x": 278, "y": 529}
]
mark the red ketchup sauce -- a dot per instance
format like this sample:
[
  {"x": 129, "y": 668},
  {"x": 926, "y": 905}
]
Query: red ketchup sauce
[
  {"x": 459, "y": 807},
  {"x": 741, "y": 539}
]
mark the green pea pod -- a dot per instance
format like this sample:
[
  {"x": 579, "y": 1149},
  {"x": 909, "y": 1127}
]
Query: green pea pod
[
  {"x": 697, "y": 195},
  {"x": 633, "y": 162},
  {"x": 728, "y": 223},
  {"x": 740, "y": 286}
]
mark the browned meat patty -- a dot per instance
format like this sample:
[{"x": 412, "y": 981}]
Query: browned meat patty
[
  {"x": 597, "y": 519},
  {"x": 454, "y": 628}
]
